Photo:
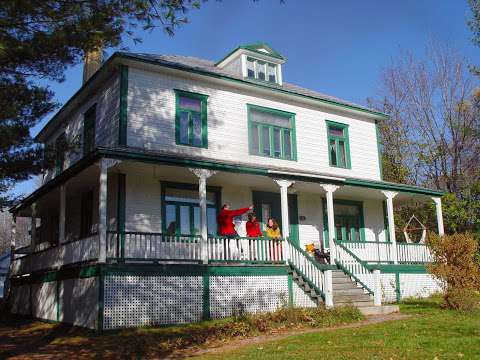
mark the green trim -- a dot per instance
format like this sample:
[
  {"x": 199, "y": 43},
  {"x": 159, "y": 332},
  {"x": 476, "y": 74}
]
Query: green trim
[
  {"x": 290, "y": 291},
  {"x": 271, "y": 128},
  {"x": 206, "y": 298},
  {"x": 122, "y": 126},
  {"x": 121, "y": 211},
  {"x": 64, "y": 273},
  {"x": 254, "y": 48},
  {"x": 379, "y": 150},
  {"x": 89, "y": 124},
  {"x": 398, "y": 290},
  {"x": 400, "y": 268},
  {"x": 203, "y": 118},
  {"x": 337, "y": 140},
  {"x": 359, "y": 204},
  {"x": 382, "y": 185}
]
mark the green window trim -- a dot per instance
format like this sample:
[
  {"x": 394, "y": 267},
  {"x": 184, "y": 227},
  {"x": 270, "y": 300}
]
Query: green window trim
[
  {"x": 271, "y": 128},
  {"x": 185, "y": 186},
  {"x": 254, "y": 73},
  {"x": 89, "y": 123},
  {"x": 338, "y": 140},
  {"x": 359, "y": 204},
  {"x": 203, "y": 116}
]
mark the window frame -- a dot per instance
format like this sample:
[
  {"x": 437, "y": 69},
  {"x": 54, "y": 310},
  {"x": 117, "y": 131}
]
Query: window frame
[
  {"x": 292, "y": 129},
  {"x": 337, "y": 139},
  {"x": 203, "y": 117},
  {"x": 90, "y": 119},
  {"x": 185, "y": 186},
  {"x": 266, "y": 64}
]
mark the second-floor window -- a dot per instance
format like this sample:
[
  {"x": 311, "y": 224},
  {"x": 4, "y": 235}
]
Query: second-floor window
[
  {"x": 338, "y": 145},
  {"x": 89, "y": 119},
  {"x": 272, "y": 133},
  {"x": 191, "y": 119}
]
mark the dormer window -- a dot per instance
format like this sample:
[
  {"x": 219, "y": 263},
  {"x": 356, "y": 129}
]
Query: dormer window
[{"x": 261, "y": 70}]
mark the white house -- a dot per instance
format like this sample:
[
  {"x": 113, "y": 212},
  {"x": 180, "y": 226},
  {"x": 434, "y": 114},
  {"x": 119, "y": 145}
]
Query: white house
[{"x": 124, "y": 227}]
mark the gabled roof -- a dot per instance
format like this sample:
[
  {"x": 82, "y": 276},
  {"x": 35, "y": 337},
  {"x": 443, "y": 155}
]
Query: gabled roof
[{"x": 259, "y": 48}]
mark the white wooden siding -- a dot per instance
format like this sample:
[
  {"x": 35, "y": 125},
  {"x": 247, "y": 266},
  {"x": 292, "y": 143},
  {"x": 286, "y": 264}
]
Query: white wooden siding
[{"x": 151, "y": 125}]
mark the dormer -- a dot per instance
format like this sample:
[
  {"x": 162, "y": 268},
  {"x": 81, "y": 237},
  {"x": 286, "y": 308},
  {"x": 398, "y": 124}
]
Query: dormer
[{"x": 257, "y": 62}]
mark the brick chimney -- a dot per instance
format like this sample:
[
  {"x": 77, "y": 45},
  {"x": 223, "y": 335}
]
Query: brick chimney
[{"x": 91, "y": 63}]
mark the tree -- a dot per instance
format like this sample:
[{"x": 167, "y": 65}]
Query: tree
[
  {"x": 433, "y": 136},
  {"x": 39, "y": 39}
]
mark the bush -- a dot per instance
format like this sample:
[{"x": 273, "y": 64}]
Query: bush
[{"x": 456, "y": 265}]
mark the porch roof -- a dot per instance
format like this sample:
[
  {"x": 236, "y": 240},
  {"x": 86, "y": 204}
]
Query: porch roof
[{"x": 168, "y": 159}]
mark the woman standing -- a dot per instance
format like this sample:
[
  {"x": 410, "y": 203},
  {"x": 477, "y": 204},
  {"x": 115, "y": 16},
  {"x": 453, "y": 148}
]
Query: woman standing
[{"x": 273, "y": 232}]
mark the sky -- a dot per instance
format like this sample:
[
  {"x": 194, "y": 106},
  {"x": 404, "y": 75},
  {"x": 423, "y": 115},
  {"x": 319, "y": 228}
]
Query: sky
[{"x": 335, "y": 47}]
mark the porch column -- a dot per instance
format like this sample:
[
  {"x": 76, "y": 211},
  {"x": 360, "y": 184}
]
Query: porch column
[
  {"x": 33, "y": 227},
  {"x": 377, "y": 288},
  {"x": 391, "y": 222},
  {"x": 284, "y": 185},
  {"x": 102, "y": 211},
  {"x": 329, "y": 190},
  {"x": 61, "y": 218},
  {"x": 203, "y": 175},
  {"x": 438, "y": 206}
]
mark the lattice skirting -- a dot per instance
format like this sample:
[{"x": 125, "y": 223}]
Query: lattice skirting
[
  {"x": 235, "y": 295},
  {"x": 131, "y": 301},
  {"x": 418, "y": 285}
]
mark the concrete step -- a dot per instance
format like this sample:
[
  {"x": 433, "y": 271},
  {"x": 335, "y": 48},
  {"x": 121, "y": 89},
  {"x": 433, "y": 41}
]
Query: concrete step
[
  {"x": 341, "y": 280},
  {"x": 344, "y": 285},
  {"x": 379, "y": 310},
  {"x": 349, "y": 291},
  {"x": 352, "y": 298},
  {"x": 359, "y": 304}
]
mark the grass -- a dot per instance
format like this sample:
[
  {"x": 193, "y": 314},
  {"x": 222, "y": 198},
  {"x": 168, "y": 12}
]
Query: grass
[
  {"x": 430, "y": 333},
  {"x": 26, "y": 338}
]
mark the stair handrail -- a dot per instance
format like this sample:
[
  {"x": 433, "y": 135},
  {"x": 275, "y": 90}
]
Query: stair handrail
[
  {"x": 318, "y": 285},
  {"x": 360, "y": 262}
]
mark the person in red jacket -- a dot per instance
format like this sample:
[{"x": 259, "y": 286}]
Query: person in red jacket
[
  {"x": 225, "y": 220},
  {"x": 253, "y": 226}
]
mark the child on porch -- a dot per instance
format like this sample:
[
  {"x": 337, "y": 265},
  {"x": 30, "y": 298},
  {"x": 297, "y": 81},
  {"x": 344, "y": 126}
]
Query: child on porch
[
  {"x": 253, "y": 230},
  {"x": 273, "y": 232}
]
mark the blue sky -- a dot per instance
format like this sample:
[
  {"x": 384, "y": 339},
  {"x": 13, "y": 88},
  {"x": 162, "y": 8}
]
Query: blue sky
[{"x": 338, "y": 48}]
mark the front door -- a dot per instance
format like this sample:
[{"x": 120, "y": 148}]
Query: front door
[{"x": 268, "y": 205}]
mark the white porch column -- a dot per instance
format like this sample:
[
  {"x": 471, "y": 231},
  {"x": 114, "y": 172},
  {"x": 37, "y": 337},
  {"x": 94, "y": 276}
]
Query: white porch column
[
  {"x": 102, "y": 211},
  {"x": 328, "y": 286},
  {"x": 438, "y": 206},
  {"x": 284, "y": 185},
  {"x": 377, "y": 288},
  {"x": 391, "y": 223},
  {"x": 33, "y": 227},
  {"x": 203, "y": 175},
  {"x": 61, "y": 218},
  {"x": 329, "y": 190}
]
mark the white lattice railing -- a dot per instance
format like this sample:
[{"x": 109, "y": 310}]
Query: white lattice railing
[
  {"x": 242, "y": 249},
  {"x": 308, "y": 267},
  {"x": 382, "y": 252},
  {"x": 355, "y": 267},
  {"x": 78, "y": 251}
]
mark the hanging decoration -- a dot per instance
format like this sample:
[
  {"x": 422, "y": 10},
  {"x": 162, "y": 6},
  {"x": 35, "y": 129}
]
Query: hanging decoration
[{"x": 414, "y": 231}]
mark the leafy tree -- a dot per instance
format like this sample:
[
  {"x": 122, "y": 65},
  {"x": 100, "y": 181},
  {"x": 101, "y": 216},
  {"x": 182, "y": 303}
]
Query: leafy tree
[{"x": 39, "y": 39}]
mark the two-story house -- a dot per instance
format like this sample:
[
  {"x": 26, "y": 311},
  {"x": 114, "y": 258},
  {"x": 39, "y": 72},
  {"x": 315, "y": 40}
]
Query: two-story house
[{"x": 124, "y": 228}]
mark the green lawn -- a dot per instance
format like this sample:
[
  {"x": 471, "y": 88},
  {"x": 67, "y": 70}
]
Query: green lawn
[{"x": 430, "y": 333}]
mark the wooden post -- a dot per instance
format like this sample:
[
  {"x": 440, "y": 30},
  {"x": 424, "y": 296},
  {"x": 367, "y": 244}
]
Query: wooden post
[
  {"x": 391, "y": 223},
  {"x": 61, "y": 218},
  {"x": 329, "y": 190},
  {"x": 328, "y": 286},
  {"x": 284, "y": 185},
  {"x": 102, "y": 211},
  {"x": 203, "y": 175},
  {"x": 438, "y": 207}
]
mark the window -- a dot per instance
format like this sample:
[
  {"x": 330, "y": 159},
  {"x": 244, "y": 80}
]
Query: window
[
  {"x": 272, "y": 133},
  {"x": 182, "y": 209},
  {"x": 191, "y": 119},
  {"x": 59, "y": 153},
  {"x": 261, "y": 70},
  {"x": 338, "y": 146},
  {"x": 348, "y": 220},
  {"x": 89, "y": 119}
]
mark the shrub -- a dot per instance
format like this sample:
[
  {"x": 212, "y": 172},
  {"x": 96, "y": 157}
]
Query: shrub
[{"x": 456, "y": 265}]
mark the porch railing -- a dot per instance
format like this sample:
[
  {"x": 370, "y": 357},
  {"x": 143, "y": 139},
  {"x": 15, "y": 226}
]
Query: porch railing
[
  {"x": 382, "y": 252},
  {"x": 242, "y": 249}
]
